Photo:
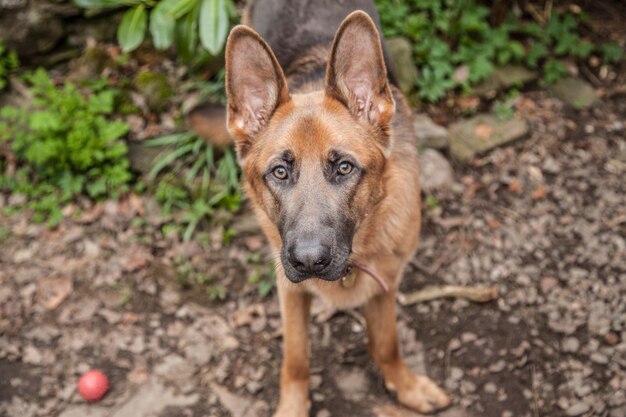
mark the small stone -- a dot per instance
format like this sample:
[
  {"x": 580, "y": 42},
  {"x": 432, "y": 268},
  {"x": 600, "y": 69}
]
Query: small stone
[
  {"x": 467, "y": 337},
  {"x": 570, "y": 345},
  {"x": 455, "y": 344},
  {"x": 490, "y": 388},
  {"x": 352, "y": 383},
  {"x": 323, "y": 413},
  {"x": 577, "y": 409},
  {"x": 435, "y": 171},
  {"x": 456, "y": 373},
  {"x": 504, "y": 77},
  {"x": 429, "y": 134},
  {"x": 547, "y": 284},
  {"x": 575, "y": 92},
  {"x": 498, "y": 366},
  {"x": 599, "y": 358}
]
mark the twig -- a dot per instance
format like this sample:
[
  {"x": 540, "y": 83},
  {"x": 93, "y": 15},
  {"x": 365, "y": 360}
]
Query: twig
[
  {"x": 476, "y": 294},
  {"x": 534, "y": 388}
]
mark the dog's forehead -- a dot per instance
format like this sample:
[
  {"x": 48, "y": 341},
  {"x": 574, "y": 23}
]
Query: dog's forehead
[{"x": 313, "y": 126}]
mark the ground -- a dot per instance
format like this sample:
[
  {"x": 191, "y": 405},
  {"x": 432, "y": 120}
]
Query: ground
[{"x": 543, "y": 220}]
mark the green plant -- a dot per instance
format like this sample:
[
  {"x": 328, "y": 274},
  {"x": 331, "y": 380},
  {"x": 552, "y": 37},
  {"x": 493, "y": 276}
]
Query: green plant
[
  {"x": 65, "y": 144},
  {"x": 504, "y": 109},
  {"x": 183, "y": 22},
  {"x": 188, "y": 276},
  {"x": 8, "y": 63},
  {"x": 193, "y": 182},
  {"x": 262, "y": 275},
  {"x": 456, "y": 47}
]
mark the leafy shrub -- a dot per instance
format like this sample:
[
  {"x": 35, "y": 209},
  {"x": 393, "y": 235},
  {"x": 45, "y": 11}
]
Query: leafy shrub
[
  {"x": 193, "y": 183},
  {"x": 8, "y": 63},
  {"x": 451, "y": 34},
  {"x": 64, "y": 145},
  {"x": 171, "y": 21}
]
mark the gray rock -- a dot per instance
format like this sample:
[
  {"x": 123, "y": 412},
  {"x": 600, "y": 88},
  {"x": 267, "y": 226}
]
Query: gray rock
[
  {"x": 435, "y": 171},
  {"x": 429, "y": 134},
  {"x": 31, "y": 30},
  {"x": 504, "y": 77},
  {"x": 401, "y": 51},
  {"x": 575, "y": 92},
  {"x": 482, "y": 133}
]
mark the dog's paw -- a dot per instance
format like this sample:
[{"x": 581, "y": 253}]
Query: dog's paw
[{"x": 422, "y": 395}]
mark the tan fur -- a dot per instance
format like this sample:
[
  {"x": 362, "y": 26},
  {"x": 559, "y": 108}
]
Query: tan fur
[{"x": 386, "y": 206}]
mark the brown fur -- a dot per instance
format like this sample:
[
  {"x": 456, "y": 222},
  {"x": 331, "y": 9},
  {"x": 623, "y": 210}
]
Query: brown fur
[{"x": 356, "y": 110}]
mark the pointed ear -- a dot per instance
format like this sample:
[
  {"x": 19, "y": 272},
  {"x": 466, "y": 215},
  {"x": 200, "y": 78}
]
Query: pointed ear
[
  {"x": 356, "y": 74},
  {"x": 255, "y": 85}
]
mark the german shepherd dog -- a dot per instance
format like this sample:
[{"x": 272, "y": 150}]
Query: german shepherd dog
[{"x": 327, "y": 148}]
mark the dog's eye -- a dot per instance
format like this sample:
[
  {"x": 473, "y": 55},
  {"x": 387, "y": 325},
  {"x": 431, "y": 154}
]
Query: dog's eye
[
  {"x": 344, "y": 168},
  {"x": 280, "y": 172}
]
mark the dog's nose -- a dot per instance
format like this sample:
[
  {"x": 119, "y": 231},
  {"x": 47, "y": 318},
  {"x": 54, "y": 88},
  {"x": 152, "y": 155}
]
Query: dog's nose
[{"x": 309, "y": 257}]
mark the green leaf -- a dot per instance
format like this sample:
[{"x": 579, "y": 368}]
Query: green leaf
[
  {"x": 612, "y": 53},
  {"x": 161, "y": 28},
  {"x": 187, "y": 33},
  {"x": 213, "y": 25},
  {"x": 132, "y": 29},
  {"x": 90, "y": 4},
  {"x": 176, "y": 8}
]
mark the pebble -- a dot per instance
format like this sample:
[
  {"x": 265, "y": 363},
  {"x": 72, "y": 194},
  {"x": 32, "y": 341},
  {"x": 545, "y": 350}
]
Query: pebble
[
  {"x": 570, "y": 345},
  {"x": 454, "y": 344},
  {"x": 599, "y": 358},
  {"x": 490, "y": 388},
  {"x": 456, "y": 373},
  {"x": 577, "y": 409},
  {"x": 498, "y": 366}
]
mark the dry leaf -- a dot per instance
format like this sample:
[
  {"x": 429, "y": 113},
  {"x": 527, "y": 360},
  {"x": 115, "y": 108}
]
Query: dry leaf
[
  {"x": 539, "y": 193},
  {"x": 52, "y": 291},
  {"x": 139, "y": 375},
  {"x": 515, "y": 186},
  {"x": 483, "y": 131}
]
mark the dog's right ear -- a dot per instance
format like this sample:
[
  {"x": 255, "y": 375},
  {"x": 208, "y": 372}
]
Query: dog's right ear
[{"x": 255, "y": 85}]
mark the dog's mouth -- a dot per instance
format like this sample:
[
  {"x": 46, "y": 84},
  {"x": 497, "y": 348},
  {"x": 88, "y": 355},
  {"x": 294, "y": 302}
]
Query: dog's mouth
[
  {"x": 333, "y": 272},
  {"x": 347, "y": 278}
]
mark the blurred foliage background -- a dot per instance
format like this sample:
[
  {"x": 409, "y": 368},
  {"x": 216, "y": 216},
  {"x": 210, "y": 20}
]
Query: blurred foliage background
[{"x": 94, "y": 94}]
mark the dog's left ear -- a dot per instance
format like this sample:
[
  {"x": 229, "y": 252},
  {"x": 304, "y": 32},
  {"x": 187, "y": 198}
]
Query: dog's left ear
[{"x": 356, "y": 74}]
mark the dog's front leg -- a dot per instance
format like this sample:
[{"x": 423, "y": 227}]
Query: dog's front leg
[
  {"x": 294, "y": 376},
  {"x": 417, "y": 392}
]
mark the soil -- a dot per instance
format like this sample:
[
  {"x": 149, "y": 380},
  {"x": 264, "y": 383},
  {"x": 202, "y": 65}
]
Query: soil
[{"x": 544, "y": 220}]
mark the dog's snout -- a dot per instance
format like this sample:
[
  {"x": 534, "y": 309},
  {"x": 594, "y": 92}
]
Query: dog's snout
[{"x": 309, "y": 257}]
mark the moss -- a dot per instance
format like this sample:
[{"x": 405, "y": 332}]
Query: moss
[{"x": 155, "y": 88}]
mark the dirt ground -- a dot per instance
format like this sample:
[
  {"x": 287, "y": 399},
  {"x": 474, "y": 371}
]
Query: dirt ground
[{"x": 544, "y": 220}]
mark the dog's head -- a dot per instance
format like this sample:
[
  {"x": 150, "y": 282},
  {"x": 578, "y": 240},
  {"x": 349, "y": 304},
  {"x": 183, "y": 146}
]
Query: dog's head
[{"x": 313, "y": 163}]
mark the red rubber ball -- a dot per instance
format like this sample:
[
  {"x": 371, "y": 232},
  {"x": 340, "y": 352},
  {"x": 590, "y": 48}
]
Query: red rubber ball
[{"x": 93, "y": 385}]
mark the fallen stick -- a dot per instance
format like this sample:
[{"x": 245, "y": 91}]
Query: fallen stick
[{"x": 476, "y": 294}]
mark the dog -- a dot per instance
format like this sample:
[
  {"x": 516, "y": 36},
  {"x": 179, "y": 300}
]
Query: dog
[{"x": 327, "y": 149}]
